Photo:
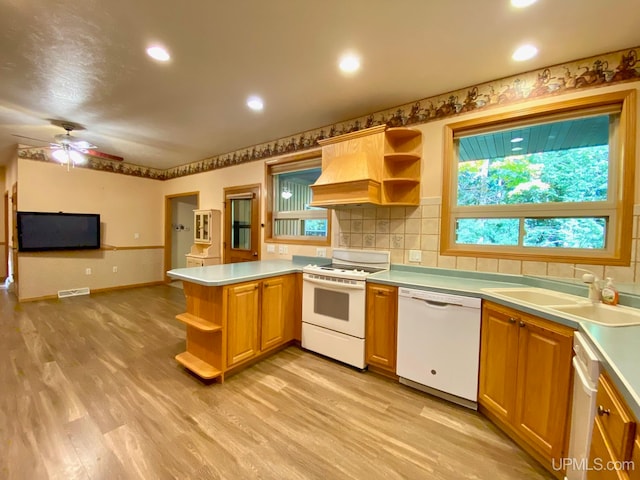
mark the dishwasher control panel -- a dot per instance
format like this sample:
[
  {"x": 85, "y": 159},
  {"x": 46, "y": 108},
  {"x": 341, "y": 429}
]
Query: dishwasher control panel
[{"x": 442, "y": 298}]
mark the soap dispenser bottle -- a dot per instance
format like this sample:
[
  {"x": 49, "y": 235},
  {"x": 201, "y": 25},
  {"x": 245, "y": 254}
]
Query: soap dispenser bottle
[{"x": 610, "y": 293}]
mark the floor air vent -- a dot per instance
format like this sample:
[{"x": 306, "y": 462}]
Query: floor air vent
[{"x": 74, "y": 292}]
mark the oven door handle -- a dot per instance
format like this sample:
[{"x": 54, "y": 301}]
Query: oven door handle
[{"x": 336, "y": 285}]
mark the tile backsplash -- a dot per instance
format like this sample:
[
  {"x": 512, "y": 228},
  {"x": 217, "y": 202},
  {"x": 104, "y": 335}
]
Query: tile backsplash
[{"x": 401, "y": 229}]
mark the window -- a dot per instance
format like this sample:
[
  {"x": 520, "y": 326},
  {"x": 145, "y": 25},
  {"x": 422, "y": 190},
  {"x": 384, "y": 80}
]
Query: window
[
  {"x": 551, "y": 183},
  {"x": 290, "y": 218}
]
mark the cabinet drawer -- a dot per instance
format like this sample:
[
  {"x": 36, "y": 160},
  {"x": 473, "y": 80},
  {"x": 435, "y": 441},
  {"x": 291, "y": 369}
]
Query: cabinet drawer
[
  {"x": 194, "y": 262},
  {"x": 617, "y": 422}
]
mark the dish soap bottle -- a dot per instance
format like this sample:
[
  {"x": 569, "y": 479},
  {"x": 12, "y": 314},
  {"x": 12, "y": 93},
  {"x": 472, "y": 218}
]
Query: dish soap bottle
[{"x": 609, "y": 293}]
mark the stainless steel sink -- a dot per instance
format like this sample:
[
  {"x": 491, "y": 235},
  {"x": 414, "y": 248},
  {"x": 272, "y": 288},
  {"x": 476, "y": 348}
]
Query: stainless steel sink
[
  {"x": 603, "y": 314},
  {"x": 537, "y": 296}
]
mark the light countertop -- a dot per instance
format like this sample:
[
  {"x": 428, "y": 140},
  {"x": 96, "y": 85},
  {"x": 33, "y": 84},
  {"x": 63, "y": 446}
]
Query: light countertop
[
  {"x": 228, "y": 273},
  {"x": 620, "y": 351},
  {"x": 618, "y": 346}
]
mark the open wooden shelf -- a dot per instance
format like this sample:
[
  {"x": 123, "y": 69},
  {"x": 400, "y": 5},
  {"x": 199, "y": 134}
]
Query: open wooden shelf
[
  {"x": 198, "y": 366},
  {"x": 401, "y": 157},
  {"x": 401, "y": 166},
  {"x": 401, "y": 133},
  {"x": 406, "y": 180},
  {"x": 197, "y": 322}
]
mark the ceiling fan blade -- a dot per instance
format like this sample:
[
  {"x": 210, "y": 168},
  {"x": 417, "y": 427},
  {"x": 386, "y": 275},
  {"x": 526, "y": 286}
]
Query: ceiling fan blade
[{"x": 98, "y": 154}]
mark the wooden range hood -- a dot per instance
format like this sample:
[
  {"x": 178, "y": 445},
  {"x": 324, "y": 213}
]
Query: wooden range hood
[{"x": 374, "y": 166}]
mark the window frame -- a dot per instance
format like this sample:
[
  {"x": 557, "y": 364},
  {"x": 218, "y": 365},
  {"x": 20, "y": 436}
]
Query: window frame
[
  {"x": 311, "y": 159},
  {"x": 622, "y": 167}
]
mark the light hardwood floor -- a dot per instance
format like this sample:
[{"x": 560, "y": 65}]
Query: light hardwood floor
[{"x": 89, "y": 389}]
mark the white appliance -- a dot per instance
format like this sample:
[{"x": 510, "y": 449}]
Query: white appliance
[
  {"x": 586, "y": 366},
  {"x": 333, "y": 304},
  {"x": 439, "y": 344}
]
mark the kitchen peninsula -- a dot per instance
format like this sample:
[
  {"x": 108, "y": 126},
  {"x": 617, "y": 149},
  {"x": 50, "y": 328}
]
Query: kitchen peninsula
[{"x": 238, "y": 313}]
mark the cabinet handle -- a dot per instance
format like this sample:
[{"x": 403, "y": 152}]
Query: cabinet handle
[
  {"x": 257, "y": 286},
  {"x": 522, "y": 324},
  {"x": 512, "y": 320},
  {"x": 382, "y": 292},
  {"x": 603, "y": 411}
]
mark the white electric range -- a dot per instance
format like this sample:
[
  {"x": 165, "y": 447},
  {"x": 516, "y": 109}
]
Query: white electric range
[{"x": 333, "y": 304}]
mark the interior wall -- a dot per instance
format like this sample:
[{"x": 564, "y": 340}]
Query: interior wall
[
  {"x": 401, "y": 229},
  {"x": 211, "y": 186},
  {"x": 131, "y": 229},
  {"x": 182, "y": 224}
]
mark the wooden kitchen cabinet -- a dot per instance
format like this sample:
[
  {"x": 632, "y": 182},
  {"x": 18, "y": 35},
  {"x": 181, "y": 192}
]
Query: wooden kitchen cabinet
[
  {"x": 614, "y": 437},
  {"x": 525, "y": 378},
  {"x": 242, "y": 322},
  {"x": 381, "y": 327},
  {"x": 228, "y": 326},
  {"x": 277, "y": 311}
]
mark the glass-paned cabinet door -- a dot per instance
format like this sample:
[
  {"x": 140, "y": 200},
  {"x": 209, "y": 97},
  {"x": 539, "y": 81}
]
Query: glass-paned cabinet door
[{"x": 202, "y": 226}]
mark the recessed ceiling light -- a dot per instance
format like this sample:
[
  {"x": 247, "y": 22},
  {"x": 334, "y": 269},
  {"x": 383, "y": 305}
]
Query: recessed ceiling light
[
  {"x": 158, "y": 53},
  {"x": 522, "y": 3},
  {"x": 349, "y": 63},
  {"x": 517, "y": 140},
  {"x": 516, "y": 149},
  {"x": 525, "y": 52},
  {"x": 255, "y": 103}
]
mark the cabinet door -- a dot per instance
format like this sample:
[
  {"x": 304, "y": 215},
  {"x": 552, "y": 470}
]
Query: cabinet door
[
  {"x": 277, "y": 311},
  {"x": 543, "y": 386},
  {"x": 242, "y": 322},
  {"x": 498, "y": 360},
  {"x": 381, "y": 326},
  {"x": 194, "y": 262},
  {"x": 599, "y": 455},
  {"x": 202, "y": 226}
]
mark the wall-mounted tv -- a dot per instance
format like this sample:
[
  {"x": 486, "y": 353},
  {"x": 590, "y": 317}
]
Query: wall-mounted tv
[{"x": 42, "y": 231}]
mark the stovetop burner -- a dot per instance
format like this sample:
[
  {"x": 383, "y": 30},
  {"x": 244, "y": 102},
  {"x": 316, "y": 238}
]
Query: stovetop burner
[
  {"x": 351, "y": 264},
  {"x": 350, "y": 268}
]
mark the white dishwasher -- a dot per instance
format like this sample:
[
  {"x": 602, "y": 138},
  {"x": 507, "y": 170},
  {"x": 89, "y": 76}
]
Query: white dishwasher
[
  {"x": 586, "y": 370},
  {"x": 439, "y": 344}
]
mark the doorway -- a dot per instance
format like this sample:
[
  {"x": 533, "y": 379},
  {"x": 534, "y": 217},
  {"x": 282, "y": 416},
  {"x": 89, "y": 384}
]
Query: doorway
[
  {"x": 178, "y": 228},
  {"x": 4, "y": 270},
  {"x": 242, "y": 224}
]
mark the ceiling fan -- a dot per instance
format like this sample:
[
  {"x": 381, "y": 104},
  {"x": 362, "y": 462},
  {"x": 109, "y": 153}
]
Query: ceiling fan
[{"x": 71, "y": 150}]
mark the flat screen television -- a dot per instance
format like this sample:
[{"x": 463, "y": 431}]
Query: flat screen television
[{"x": 42, "y": 231}]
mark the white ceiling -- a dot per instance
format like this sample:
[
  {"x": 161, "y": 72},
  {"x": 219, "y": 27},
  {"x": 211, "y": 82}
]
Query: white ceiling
[{"x": 85, "y": 62}]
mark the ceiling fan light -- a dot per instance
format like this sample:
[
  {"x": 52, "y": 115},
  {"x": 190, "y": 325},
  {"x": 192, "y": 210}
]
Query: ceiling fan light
[
  {"x": 77, "y": 158},
  {"x": 60, "y": 155}
]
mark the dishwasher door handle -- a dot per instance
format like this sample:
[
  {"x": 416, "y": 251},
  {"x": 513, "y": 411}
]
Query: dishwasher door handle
[{"x": 436, "y": 304}]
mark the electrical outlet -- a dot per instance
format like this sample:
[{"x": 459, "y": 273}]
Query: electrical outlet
[
  {"x": 321, "y": 252},
  {"x": 115, "y": 269},
  {"x": 136, "y": 235},
  {"x": 271, "y": 248},
  {"x": 87, "y": 271},
  {"x": 415, "y": 256},
  {"x": 283, "y": 249}
]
